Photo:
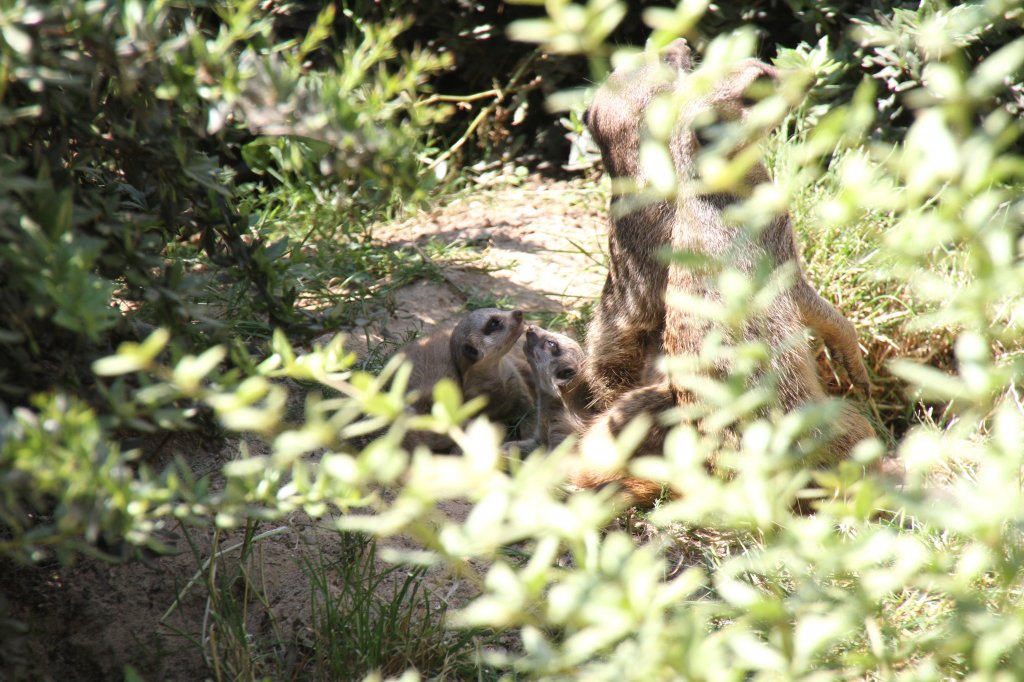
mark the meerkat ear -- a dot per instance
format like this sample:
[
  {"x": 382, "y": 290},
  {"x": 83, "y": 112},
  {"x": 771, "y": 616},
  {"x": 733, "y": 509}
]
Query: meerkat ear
[
  {"x": 470, "y": 351},
  {"x": 678, "y": 55},
  {"x": 763, "y": 85}
]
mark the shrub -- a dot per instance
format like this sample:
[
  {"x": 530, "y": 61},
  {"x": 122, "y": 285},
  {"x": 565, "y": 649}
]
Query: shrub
[
  {"x": 919, "y": 582},
  {"x": 126, "y": 126}
]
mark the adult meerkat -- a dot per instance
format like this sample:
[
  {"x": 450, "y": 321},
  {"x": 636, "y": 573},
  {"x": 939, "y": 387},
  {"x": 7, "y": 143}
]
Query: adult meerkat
[
  {"x": 555, "y": 361},
  {"x": 475, "y": 354},
  {"x": 629, "y": 323},
  {"x": 632, "y": 321}
]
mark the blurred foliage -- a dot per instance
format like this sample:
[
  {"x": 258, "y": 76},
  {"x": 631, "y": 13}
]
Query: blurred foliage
[{"x": 127, "y": 129}]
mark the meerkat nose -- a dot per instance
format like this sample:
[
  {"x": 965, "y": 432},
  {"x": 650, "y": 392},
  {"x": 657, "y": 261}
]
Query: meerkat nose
[{"x": 517, "y": 315}]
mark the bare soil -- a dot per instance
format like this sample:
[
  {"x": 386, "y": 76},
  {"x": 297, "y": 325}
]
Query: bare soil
[{"x": 537, "y": 247}]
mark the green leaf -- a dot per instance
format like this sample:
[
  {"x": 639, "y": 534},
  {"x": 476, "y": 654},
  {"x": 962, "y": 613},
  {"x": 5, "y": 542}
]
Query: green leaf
[
  {"x": 16, "y": 39},
  {"x": 999, "y": 70},
  {"x": 191, "y": 370}
]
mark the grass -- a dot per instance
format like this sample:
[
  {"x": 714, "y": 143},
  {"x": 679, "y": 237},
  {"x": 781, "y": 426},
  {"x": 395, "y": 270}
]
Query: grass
[
  {"x": 320, "y": 254},
  {"x": 365, "y": 615},
  {"x": 372, "y": 617}
]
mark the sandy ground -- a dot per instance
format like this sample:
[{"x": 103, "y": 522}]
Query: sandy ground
[{"x": 538, "y": 247}]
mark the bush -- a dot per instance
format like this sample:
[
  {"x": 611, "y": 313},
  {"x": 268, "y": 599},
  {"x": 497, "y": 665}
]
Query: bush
[
  {"x": 920, "y": 581},
  {"x": 126, "y": 127}
]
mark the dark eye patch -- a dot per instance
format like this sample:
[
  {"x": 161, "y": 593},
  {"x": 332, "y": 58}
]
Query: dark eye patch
[
  {"x": 493, "y": 325},
  {"x": 565, "y": 374}
]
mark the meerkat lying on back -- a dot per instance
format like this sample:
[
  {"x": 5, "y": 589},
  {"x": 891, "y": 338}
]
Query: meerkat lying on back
[
  {"x": 632, "y": 321},
  {"x": 555, "y": 361},
  {"x": 475, "y": 355}
]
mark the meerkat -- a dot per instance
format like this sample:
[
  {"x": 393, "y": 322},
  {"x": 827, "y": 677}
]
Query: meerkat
[
  {"x": 629, "y": 322},
  {"x": 476, "y": 355},
  {"x": 554, "y": 360},
  {"x": 649, "y": 402},
  {"x": 632, "y": 320}
]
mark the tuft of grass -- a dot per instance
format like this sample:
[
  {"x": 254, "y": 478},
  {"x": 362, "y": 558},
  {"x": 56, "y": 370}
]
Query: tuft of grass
[
  {"x": 573, "y": 322},
  {"x": 364, "y": 616},
  {"x": 479, "y": 299},
  {"x": 369, "y": 617},
  {"x": 321, "y": 259}
]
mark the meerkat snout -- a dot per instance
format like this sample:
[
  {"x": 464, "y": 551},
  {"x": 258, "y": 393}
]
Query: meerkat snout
[{"x": 531, "y": 338}]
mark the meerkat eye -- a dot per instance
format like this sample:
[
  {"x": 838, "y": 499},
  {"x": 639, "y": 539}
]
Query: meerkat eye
[
  {"x": 493, "y": 325},
  {"x": 471, "y": 352},
  {"x": 565, "y": 374},
  {"x": 704, "y": 136},
  {"x": 553, "y": 345}
]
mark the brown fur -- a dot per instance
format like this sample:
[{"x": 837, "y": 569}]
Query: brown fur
[
  {"x": 632, "y": 321},
  {"x": 555, "y": 361},
  {"x": 476, "y": 355},
  {"x": 629, "y": 321},
  {"x": 648, "y": 402}
]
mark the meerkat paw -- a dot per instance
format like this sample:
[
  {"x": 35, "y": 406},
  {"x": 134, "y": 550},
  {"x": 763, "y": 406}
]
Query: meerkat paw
[{"x": 856, "y": 372}]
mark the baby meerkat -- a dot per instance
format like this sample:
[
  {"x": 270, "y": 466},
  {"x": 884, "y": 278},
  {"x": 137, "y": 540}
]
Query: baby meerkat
[
  {"x": 475, "y": 354},
  {"x": 632, "y": 320},
  {"x": 555, "y": 361}
]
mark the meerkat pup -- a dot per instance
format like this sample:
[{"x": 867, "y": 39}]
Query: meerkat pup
[
  {"x": 632, "y": 320},
  {"x": 475, "y": 354},
  {"x": 555, "y": 361}
]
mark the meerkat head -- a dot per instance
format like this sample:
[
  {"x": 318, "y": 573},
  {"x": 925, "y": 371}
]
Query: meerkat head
[
  {"x": 555, "y": 359},
  {"x": 632, "y": 105},
  {"x": 484, "y": 336}
]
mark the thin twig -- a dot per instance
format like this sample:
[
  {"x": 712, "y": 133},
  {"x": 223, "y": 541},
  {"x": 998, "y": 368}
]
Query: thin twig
[
  {"x": 499, "y": 95},
  {"x": 494, "y": 92}
]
